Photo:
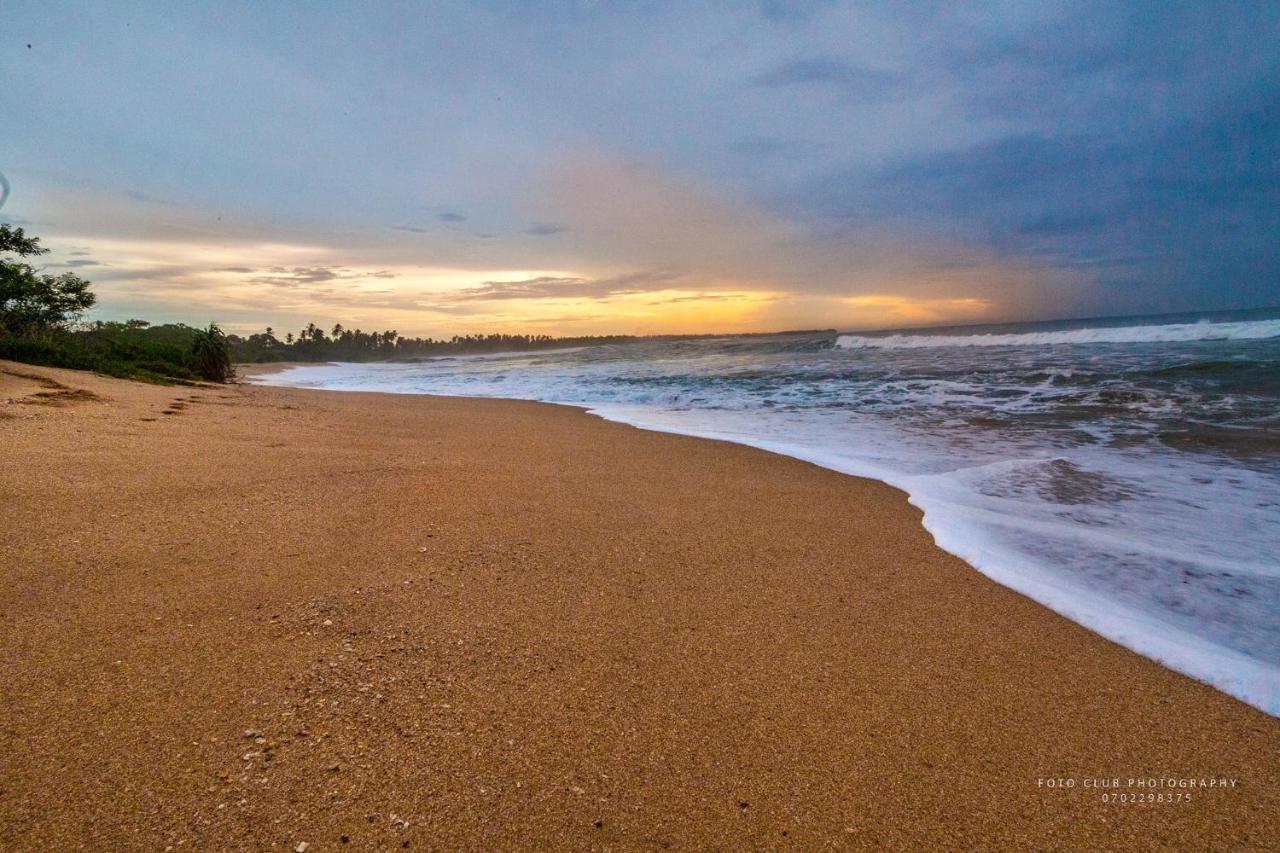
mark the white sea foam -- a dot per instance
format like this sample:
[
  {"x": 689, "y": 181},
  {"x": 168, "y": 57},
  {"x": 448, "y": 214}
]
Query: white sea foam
[
  {"x": 1174, "y": 332},
  {"x": 992, "y": 534}
]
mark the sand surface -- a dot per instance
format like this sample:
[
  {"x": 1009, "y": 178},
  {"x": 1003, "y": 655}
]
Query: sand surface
[{"x": 247, "y": 618}]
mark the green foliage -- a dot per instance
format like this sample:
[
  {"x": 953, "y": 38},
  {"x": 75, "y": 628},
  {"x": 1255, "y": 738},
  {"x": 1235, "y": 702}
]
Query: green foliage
[
  {"x": 312, "y": 344},
  {"x": 31, "y": 302},
  {"x": 16, "y": 241},
  {"x": 116, "y": 349},
  {"x": 37, "y": 314},
  {"x": 139, "y": 348},
  {"x": 211, "y": 355}
]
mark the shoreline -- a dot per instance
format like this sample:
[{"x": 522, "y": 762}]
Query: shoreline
[
  {"x": 266, "y": 368},
  {"x": 1227, "y": 670},
  {"x": 1251, "y": 681},
  {"x": 282, "y": 615}
]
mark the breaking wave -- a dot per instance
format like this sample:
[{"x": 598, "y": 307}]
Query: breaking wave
[{"x": 1172, "y": 333}]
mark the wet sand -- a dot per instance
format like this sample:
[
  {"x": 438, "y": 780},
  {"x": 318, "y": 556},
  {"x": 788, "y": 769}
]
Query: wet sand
[{"x": 251, "y": 618}]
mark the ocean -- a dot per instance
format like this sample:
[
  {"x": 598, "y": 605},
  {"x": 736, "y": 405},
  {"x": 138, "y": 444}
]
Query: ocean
[{"x": 1124, "y": 472}]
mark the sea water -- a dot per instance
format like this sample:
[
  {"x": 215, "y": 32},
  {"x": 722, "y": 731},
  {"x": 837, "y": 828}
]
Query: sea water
[{"x": 1123, "y": 472}]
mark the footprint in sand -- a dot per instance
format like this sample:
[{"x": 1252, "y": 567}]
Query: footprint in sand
[{"x": 52, "y": 393}]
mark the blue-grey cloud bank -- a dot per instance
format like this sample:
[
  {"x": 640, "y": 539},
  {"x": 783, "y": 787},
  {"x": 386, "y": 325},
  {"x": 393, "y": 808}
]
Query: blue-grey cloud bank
[{"x": 970, "y": 160}]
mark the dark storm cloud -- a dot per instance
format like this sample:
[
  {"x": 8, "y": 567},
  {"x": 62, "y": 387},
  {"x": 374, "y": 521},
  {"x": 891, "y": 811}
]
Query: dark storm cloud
[
  {"x": 1201, "y": 200},
  {"x": 1150, "y": 151}
]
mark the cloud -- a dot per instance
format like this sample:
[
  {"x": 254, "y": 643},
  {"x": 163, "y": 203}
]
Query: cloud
[
  {"x": 641, "y": 239},
  {"x": 450, "y": 216},
  {"x": 636, "y": 216},
  {"x": 800, "y": 72},
  {"x": 82, "y": 262},
  {"x": 300, "y": 276},
  {"x": 1191, "y": 206},
  {"x": 149, "y": 199},
  {"x": 567, "y": 287},
  {"x": 711, "y": 297},
  {"x": 1057, "y": 157}
]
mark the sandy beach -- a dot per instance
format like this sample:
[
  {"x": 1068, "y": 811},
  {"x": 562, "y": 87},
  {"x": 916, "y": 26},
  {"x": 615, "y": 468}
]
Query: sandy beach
[{"x": 242, "y": 618}]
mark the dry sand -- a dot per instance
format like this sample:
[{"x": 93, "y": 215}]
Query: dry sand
[{"x": 247, "y": 618}]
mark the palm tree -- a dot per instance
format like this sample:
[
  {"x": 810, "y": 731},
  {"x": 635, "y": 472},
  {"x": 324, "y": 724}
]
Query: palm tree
[{"x": 211, "y": 354}]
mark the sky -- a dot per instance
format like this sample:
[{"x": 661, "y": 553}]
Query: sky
[{"x": 639, "y": 168}]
